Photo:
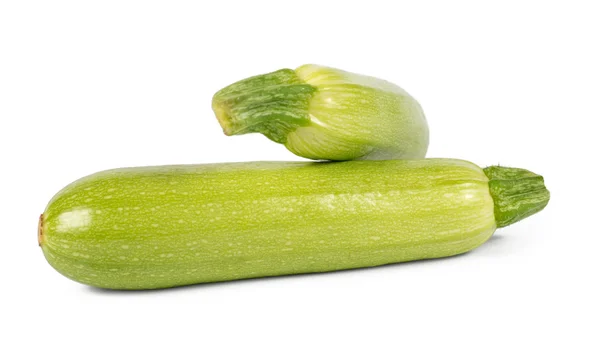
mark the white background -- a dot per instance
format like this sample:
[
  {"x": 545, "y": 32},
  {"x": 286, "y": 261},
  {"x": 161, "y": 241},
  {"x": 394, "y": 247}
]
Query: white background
[{"x": 92, "y": 85}]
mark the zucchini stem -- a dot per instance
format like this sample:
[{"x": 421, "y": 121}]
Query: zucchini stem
[
  {"x": 517, "y": 193},
  {"x": 272, "y": 104}
]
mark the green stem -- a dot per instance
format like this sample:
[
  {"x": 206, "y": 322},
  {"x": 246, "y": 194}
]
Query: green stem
[
  {"x": 517, "y": 193},
  {"x": 273, "y": 104}
]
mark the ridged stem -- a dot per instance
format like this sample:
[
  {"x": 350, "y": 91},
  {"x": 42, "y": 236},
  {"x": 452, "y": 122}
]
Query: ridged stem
[
  {"x": 517, "y": 193},
  {"x": 273, "y": 104}
]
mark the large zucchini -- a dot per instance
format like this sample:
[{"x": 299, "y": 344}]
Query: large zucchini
[{"x": 157, "y": 227}]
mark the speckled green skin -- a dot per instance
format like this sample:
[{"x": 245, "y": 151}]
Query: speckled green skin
[
  {"x": 166, "y": 226},
  {"x": 324, "y": 113}
]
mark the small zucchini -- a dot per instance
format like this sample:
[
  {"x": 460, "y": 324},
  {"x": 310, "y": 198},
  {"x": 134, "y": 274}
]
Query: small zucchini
[
  {"x": 167, "y": 226},
  {"x": 323, "y": 113}
]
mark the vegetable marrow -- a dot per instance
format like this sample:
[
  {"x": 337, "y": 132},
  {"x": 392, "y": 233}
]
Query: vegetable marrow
[
  {"x": 167, "y": 226},
  {"x": 324, "y": 113}
]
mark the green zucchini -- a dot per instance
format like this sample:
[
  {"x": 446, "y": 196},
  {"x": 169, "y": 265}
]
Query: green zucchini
[
  {"x": 323, "y": 113},
  {"x": 167, "y": 226}
]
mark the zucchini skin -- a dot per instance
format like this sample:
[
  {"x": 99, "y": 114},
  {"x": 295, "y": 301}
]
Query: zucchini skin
[{"x": 167, "y": 226}]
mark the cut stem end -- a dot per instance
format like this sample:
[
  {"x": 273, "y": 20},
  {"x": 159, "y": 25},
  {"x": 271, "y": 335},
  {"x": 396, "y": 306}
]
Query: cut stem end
[
  {"x": 41, "y": 237},
  {"x": 223, "y": 118}
]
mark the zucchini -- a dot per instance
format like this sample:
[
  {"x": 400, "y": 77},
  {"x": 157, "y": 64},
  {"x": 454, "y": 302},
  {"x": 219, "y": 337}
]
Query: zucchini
[
  {"x": 323, "y": 113},
  {"x": 167, "y": 226}
]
